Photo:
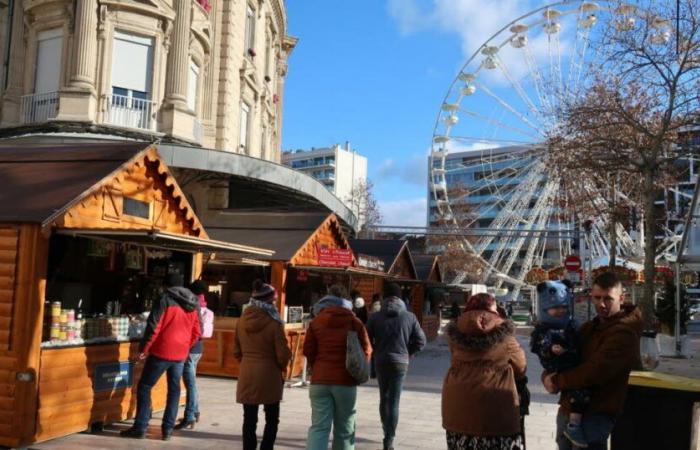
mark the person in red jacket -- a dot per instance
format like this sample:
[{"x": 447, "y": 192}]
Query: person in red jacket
[
  {"x": 172, "y": 329},
  {"x": 333, "y": 391}
]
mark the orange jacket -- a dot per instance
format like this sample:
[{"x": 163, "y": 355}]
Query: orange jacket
[{"x": 324, "y": 345}]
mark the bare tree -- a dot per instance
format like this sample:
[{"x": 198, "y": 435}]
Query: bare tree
[
  {"x": 456, "y": 259},
  {"x": 363, "y": 204},
  {"x": 644, "y": 93}
]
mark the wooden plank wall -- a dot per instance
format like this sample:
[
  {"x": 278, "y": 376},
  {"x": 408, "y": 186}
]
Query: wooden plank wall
[
  {"x": 217, "y": 357},
  {"x": 431, "y": 326},
  {"x": 368, "y": 286},
  {"x": 9, "y": 240},
  {"x": 21, "y": 321},
  {"x": 67, "y": 402}
]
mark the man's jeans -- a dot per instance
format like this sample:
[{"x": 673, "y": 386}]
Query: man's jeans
[
  {"x": 390, "y": 379},
  {"x": 596, "y": 427},
  {"x": 332, "y": 405},
  {"x": 152, "y": 371},
  {"x": 250, "y": 425},
  {"x": 189, "y": 377}
]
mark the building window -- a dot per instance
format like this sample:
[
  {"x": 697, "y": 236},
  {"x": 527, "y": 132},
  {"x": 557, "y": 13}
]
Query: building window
[
  {"x": 48, "y": 61},
  {"x": 132, "y": 67},
  {"x": 243, "y": 128},
  {"x": 137, "y": 208},
  {"x": 249, "y": 31},
  {"x": 192, "y": 84}
]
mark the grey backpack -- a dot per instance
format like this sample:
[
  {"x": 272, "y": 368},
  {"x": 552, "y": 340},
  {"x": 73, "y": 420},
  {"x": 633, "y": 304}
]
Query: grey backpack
[{"x": 355, "y": 360}]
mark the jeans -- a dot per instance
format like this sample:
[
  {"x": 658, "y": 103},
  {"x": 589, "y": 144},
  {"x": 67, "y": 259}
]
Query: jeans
[
  {"x": 390, "y": 379},
  {"x": 250, "y": 425},
  {"x": 332, "y": 405},
  {"x": 152, "y": 371},
  {"x": 189, "y": 377},
  {"x": 596, "y": 427}
]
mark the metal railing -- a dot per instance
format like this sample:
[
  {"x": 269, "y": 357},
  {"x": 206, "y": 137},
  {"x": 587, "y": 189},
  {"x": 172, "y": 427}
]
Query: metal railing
[
  {"x": 130, "y": 112},
  {"x": 39, "y": 107}
]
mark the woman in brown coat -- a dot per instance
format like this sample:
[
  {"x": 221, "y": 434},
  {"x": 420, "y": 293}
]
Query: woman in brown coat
[
  {"x": 480, "y": 407},
  {"x": 261, "y": 347}
]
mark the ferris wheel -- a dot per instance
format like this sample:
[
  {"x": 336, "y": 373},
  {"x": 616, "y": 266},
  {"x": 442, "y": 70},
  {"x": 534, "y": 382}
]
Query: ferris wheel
[{"x": 488, "y": 164}]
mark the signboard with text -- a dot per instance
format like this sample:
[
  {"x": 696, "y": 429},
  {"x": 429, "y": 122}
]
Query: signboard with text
[
  {"x": 112, "y": 376},
  {"x": 334, "y": 257},
  {"x": 370, "y": 262}
]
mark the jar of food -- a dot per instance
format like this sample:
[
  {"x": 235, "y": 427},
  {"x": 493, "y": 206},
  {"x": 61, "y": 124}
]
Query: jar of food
[
  {"x": 63, "y": 318},
  {"x": 70, "y": 315},
  {"x": 55, "y": 332},
  {"x": 56, "y": 310}
]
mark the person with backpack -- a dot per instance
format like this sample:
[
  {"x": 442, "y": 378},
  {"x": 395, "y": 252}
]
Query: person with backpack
[
  {"x": 173, "y": 327},
  {"x": 395, "y": 335},
  {"x": 333, "y": 391},
  {"x": 260, "y": 345},
  {"x": 189, "y": 374}
]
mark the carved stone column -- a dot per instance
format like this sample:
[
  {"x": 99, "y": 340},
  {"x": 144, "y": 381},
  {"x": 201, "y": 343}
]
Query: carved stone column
[
  {"x": 83, "y": 75},
  {"x": 179, "y": 56}
]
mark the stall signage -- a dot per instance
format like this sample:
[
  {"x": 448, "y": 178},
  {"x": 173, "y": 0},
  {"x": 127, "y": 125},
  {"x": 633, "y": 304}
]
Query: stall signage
[
  {"x": 370, "y": 262},
  {"x": 334, "y": 257},
  {"x": 111, "y": 376}
]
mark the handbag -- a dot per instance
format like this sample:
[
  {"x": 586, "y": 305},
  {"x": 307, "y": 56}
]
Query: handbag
[{"x": 355, "y": 360}]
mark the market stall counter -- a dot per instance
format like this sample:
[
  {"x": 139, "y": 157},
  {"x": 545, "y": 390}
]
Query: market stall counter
[
  {"x": 311, "y": 252},
  {"x": 661, "y": 412},
  {"x": 89, "y": 235}
]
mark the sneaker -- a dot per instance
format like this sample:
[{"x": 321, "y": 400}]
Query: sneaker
[
  {"x": 575, "y": 434},
  {"x": 167, "y": 434},
  {"x": 133, "y": 433}
]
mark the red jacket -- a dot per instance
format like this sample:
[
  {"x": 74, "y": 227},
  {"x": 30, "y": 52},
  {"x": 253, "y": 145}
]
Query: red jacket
[
  {"x": 173, "y": 326},
  {"x": 324, "y": 346}
]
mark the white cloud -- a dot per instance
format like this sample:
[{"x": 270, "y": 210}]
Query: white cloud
[
  {"x": 411, "y": 170},
  {"x": 475, "y": 22},
  {"x": 410, "y": 212}
]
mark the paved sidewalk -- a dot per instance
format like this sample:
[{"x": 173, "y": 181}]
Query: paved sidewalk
[{"x": 419, "y": 427}]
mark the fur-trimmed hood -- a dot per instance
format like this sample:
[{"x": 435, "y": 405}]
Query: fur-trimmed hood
[{"x": 479, "y": 330}]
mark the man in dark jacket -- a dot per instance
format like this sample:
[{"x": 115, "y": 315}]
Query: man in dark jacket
[
  {"x": 396, "y": 335},
  {"x": 609, "y": 351},
  {"x": 172, "y": 329}
]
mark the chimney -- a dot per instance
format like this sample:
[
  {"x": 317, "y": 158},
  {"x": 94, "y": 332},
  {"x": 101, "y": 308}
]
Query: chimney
[{"x": 347, "y": 146}]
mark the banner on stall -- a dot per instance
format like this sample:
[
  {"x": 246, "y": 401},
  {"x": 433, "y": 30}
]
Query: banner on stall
[
  {"x": 334, "y": 257},
  {"x": 112, "y": 376}
]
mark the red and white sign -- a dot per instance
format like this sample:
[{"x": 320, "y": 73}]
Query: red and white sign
[
  {"x": 334, "y": 257},
  {"x": 572, "y": 263}
]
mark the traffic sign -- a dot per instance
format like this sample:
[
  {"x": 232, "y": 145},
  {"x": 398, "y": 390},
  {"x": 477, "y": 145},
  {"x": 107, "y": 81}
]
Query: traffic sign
[{"x": 572, "y": 263}]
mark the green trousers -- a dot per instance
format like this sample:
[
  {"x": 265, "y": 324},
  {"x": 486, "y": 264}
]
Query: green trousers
[{"x": 332, "y": 405}]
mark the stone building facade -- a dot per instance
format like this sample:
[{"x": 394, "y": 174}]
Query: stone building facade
[{"x": 206, "y": 72}]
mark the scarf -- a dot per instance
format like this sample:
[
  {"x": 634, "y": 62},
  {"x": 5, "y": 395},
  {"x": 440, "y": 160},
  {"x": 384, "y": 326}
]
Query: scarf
[
  {"x": 330, "y": 300},
  {"x": 269, "y": 308}
]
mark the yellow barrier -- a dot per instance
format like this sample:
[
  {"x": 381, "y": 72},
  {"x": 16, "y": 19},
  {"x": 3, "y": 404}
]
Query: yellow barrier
[{"x": 664, "y": 381}]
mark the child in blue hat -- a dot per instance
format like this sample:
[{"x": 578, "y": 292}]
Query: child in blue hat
[{"x": 555, "y": 342}]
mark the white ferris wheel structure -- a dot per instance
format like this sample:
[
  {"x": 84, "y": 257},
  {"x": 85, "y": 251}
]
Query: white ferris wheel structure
[{"x": 487, "y": 162}]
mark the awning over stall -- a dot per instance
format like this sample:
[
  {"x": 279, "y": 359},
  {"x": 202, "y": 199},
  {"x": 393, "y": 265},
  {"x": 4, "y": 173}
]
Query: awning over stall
[{"x": 168, "y": 241}]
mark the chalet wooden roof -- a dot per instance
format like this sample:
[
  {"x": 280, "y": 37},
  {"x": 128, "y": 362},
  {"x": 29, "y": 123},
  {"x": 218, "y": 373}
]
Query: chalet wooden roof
[
  {"x": 427, "y": 268},
  {"x": 289, "y": 234},
  {"x": 388, "y": 250},
  {"x": 42, "y": 182}
]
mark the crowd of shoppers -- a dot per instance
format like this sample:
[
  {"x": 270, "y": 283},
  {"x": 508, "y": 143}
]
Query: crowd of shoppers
[{"x": 589, "y": 365}]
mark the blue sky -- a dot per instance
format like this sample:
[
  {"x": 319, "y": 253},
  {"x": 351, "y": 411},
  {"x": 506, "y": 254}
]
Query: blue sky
[{"x": 374, "y": 73}]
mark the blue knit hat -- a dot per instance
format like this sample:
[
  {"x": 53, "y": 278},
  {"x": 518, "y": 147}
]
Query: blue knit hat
[{"x": 553, "y": 294}]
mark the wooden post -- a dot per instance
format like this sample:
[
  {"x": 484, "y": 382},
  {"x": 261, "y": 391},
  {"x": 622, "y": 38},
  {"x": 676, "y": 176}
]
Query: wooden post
[
  {"x": 279, "y": 282},
  {"x": 197, "y": 266}
]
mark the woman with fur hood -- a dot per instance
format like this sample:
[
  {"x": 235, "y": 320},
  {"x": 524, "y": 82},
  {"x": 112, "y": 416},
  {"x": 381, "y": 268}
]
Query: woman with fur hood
[{"x": 486, "y": 360}]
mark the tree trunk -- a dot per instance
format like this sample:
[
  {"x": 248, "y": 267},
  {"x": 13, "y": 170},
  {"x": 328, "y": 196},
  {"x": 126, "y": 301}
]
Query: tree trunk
[{"x": 649, "y": 197}]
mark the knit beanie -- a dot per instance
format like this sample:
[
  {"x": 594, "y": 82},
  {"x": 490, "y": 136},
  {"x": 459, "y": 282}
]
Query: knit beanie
[
  {"x": 482, "y": 302},
  {"x": 392, "y": 290},
  {"x": 263, "y": 291}
]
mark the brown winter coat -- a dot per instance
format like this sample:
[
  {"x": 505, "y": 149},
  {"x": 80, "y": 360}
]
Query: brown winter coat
[
  {"x": 261, "y": 347},
  {"x": 610, "y": 350},
  {"x": 479, "y": 397},
  {"x": 324, "y": 346}
]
